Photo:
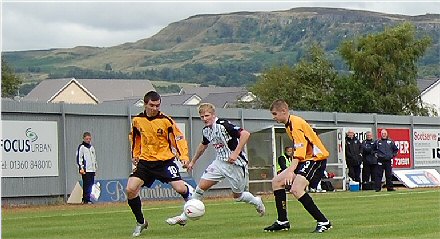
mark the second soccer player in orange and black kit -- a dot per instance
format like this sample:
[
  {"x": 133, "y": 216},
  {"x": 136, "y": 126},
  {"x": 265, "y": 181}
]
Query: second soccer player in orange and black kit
[
  {"x": 309, "y": 161},
  {"x": 156, "y": 142}
]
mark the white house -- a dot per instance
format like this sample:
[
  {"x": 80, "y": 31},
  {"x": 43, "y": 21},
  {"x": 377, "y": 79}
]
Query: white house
[{"x": 430, "y": 92}]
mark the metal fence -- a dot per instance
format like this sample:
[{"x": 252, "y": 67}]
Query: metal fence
[{"x": 110, "y": 124}]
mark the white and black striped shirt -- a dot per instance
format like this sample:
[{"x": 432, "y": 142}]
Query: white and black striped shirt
[{"x": 224, "y": 136}]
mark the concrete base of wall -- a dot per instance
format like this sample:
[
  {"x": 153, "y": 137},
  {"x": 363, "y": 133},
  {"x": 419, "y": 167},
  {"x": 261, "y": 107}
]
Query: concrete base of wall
[{"x": 26, "y": 201}]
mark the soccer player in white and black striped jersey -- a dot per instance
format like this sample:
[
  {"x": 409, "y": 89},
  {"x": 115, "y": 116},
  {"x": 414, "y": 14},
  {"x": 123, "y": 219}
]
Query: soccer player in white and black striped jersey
[{"x": 230, "y": 161}]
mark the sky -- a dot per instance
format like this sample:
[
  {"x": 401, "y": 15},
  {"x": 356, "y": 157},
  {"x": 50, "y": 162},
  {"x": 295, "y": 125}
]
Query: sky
[{"x": 39, "y": 25}]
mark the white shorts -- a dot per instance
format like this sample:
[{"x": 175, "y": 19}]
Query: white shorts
[{"x": 238, "y": 176}]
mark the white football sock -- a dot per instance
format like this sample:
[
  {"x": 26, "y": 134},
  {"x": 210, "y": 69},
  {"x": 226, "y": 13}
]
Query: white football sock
[
  {"x": 198, "y": 193},
  {"x": 249, "y": 198},
  {"x": 183, "y": 216}
]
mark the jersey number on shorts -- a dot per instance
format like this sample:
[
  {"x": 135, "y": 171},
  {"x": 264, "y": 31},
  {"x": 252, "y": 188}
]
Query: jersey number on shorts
[
  {"x": 306, "y": 165},
  {"x": 173, "y": 171}
]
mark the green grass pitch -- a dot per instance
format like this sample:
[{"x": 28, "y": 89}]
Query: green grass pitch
[{"x": 401, "y": 214}]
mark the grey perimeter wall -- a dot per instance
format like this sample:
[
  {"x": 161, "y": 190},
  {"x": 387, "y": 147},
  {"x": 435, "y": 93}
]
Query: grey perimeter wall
[{"x": 110, "y": 124}]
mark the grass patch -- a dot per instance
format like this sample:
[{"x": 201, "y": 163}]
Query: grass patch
[{"x": 402, "y": 214}]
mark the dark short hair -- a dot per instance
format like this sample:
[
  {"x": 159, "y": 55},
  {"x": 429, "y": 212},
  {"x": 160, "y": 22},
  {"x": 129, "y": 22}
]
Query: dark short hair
[
  {"x": 151, "y": 95},
  {"x": 86, "y": 134},
  {"x": 287, "y": 147}
]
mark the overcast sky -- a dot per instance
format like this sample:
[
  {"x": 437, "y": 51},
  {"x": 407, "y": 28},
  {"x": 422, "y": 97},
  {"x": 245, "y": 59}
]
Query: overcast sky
[{"x": 37, "y": 25}]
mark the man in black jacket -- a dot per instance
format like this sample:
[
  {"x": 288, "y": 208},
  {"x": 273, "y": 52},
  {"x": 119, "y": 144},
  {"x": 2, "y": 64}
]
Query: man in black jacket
[
  {"x": 386, "y": 150},
  {"x": 369, "y": 162},
  {"x": 353, "y": 156}
]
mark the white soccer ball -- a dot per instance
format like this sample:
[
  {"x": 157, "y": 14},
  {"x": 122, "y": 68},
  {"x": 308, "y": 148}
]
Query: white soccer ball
[{"x": 194, "y": 209}]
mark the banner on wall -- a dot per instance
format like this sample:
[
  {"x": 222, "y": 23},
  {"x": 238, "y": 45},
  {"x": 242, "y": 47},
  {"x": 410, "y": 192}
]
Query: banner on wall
[
  {"x": 359, "y": 133},
  {"x": 426, "y": 147},
  {"x": 114, "y": 191},
  {"x": 29, "y": 148},
  {"x": 401, "y": 138},
  {"x": 417, "y": 178}
]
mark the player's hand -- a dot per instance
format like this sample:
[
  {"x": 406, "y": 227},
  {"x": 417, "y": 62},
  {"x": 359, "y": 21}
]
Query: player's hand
[
  {"x": 82, "y": 171},
  {"x": 233, "y": 157},
  {"x": 189, "y": 166},
  {"x": 289, "y": 179},
  {"x": 135, "y": 161}
]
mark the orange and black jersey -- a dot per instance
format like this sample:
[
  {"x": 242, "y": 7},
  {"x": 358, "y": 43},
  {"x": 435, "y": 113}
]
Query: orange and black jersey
[
  {"x": 157, "y": 138},
  {"x": 306, "y": 144}
]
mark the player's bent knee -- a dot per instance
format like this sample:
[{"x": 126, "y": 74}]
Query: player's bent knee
[
  {"x": 131, "y": 192},
  {"x": 297, "y": 191},
  {"x": 277, "y": 183},
  {"x": 237, "y": 196},
  {"x": 180, "y": 187}
]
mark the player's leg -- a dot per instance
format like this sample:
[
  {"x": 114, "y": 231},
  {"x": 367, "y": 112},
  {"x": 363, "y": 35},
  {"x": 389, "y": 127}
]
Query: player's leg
[
  {"x": 204, "y": 185},
  {"x": 182, "y": 188},
  {"x": 310, "y": 171},
  {"x": 278, "y": 187},
  {"x": 212, "y": 175},
  {"x": 134, "y": 185},
  {"x": 209, "y": 178},
  {"x": 238, "y": 177},
  {"x": 182, "y": 219}
]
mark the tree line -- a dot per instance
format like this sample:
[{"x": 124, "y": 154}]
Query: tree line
[{"x": 381, "y": 78}]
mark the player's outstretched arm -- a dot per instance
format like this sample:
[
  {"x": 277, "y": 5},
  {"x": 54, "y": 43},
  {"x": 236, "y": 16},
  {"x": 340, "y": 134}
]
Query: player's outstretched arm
[{"x": 200, "y": 150}]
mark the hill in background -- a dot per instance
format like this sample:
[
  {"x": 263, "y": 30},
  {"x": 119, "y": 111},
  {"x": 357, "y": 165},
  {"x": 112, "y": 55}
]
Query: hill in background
[{"x": 224, "y": 49}]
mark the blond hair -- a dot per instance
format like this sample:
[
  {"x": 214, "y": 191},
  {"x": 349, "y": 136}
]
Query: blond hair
[
  {"x": 203, "y": 107},
  {"x": 279, "y": 105}
]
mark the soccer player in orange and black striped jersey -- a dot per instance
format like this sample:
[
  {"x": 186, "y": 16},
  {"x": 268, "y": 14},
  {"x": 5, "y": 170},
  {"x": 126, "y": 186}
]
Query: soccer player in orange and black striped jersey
[
  {"x": 156, "y": 142},
  {"x": 308, "y": 165}
]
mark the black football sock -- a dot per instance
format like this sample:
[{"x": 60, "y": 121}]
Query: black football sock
[
  {"x": 186, "y": 195},
  {"x": 311, "y": 207},
  {"x": 280, "y": 202},
  {"x": 136, "y": 207}
]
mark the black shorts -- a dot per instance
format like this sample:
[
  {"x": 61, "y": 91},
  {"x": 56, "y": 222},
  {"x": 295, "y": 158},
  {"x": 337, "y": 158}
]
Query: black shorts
[
  {"x": 313, "y": 171},
  {"x": 149, "y": 171}
]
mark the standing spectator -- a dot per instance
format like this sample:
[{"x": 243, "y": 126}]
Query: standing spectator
[
  {"x": 353, "y": 156},
  {"x": 386, "y": 150},
  {"x": 87, "y": 165},
  {"x": 285, "y": 159},
  {"x": 369, "y": 161}
]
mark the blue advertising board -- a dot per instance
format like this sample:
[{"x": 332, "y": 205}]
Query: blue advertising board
[{"x": 114, "y": 190}]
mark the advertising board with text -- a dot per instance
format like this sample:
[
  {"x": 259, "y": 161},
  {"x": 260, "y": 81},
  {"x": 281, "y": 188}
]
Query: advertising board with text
[
  {"x": 416, "y": 178},
  {"x": 114, "y": 190},
  {"x": 29, "y": 148},
  {"x": 426, "y": 147},
  {"x": 401, "y": 138}
]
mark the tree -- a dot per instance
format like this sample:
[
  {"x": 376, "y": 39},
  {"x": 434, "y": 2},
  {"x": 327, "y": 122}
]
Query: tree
[
  {"x": 384, "y": 69},
  {"x": 10, "y": 81},
  {"x": 318, "y": 75},
  {"x": 307, "y": 86}
]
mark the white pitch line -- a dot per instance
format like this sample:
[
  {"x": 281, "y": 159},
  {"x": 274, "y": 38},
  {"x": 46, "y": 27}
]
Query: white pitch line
[{"x": 382, "y": 194}]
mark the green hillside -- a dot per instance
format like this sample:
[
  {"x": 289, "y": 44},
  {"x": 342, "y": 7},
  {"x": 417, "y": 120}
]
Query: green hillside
[{"x": 224, "y": 49}]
